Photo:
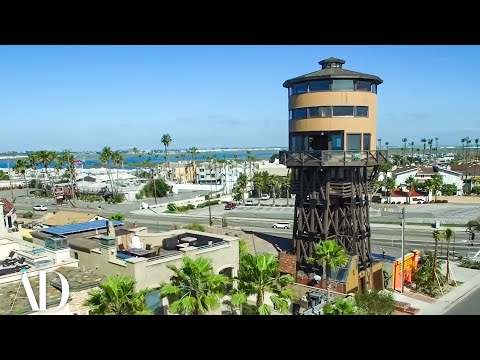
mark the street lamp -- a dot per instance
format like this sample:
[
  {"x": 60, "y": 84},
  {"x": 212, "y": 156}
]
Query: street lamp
[{"x": 152, "y": 172}]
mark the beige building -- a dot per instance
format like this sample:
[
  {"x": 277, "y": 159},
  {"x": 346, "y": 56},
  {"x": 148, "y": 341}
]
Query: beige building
[
  {"x": 64, "y": 217},
  {"x": 332, "y": 109},
  {"x": 150, "y": 269}
]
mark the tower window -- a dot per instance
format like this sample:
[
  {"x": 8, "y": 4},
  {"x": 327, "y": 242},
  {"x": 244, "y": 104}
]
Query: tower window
[
  {"x": 366, "y": 141},
  {"x": 362, "y": 111},
  {"x": 319, "y": 85},
  {"x": 299, "y": 88},
  {"x": 342, "y": 111},
  {"x": 300, "y": 113},
  {"x": 342, "y": 85},
  {"x": 313, "y": 112},
  {"x": 362, "y": 85},
  {"x": 354, "y": 142}
]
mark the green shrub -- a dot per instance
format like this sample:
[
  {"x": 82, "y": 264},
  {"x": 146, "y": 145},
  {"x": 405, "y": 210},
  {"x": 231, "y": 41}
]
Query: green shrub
[
  {"x": 117, "y": 217},
  {"x": 470, "y": 264},
  {"x": 28, "y": 215},
  {"x": 195, "y": 226},
  {"x": 376, "y": 303},
  {"x": 248, "y": 309},
  {"x": 172, "y": 207}
]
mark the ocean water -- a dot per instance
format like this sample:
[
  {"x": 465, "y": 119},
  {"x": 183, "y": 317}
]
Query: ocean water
[{"x": 171, "y": 158}]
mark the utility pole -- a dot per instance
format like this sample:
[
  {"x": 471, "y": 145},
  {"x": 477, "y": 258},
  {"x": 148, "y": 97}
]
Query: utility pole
[
  {"x": 402, "y": 216},
  {"x": 154, "y": 188}
]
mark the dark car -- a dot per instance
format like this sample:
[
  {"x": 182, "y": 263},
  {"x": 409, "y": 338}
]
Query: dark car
[{"x": 230, "y": 206}]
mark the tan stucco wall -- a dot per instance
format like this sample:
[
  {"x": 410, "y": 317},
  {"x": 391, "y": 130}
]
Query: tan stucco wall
[
  {"x": 350, "y": 125},
  {"x": 154, "y": 273},
  {"x": 6, "y": 246}
]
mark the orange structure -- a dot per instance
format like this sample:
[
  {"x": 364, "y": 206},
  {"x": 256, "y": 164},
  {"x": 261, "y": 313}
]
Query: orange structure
[{"x": 411, "y": 265}]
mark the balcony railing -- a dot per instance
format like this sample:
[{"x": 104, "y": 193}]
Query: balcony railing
[{"x": 332, "y": 158}]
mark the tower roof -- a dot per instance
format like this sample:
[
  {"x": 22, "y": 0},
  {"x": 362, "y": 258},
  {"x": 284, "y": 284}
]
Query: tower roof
[{"x": 332, "y": 69}]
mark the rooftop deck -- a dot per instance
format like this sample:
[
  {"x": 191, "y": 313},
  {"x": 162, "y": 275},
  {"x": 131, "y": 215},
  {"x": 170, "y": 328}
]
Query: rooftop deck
[{"x": 332, "y": 158}]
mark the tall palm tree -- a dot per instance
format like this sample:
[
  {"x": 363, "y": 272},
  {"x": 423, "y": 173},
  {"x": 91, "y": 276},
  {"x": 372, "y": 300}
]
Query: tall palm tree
[
  {"x": 166, "y": 141},
  {"x": 463, "y": 147},
  {"x": 424, "y": 141},
  {"x": 430, "y": 143},
  {"x": 274, "y": 183},
  {"x": 242, "y": 182},
  {"x": 197, "y": 288},
  {"x": 390, "y": 185},
  {"x": 66, "y": 158},
  {"x": 380, "y": 144},
  {"x": 33, "y": 163},
  {"x": 330, "y": 256},
  {"x": 437, "y": 182},
  {"x": 20, "y": 167},
  {"x": 437, "y": 236},
  {"x": 117, "y": 296},
  {"x": 251, "y": 159},
  {"x": 260, "y": 274},
  {"x": 412, "y": 144},
  {"x": 436, "y": 147},
  {"x": 448, "y": 236},
  {"x": 404, "y": 140},
  {"x": 46, "y": 157},
  {"x": 259, "y": 183},
  {"x": 117, "y": 159},
  {"x": 105, "y": 157},
  {"x": 194, "y": 152},
  {"x": 386, "y": 144},
  {"x": 429, "y": 186},
  {"x": 412, "y": 184},
  {"x": 397, "y": 159},
  {"x": 467, "y": 149}
]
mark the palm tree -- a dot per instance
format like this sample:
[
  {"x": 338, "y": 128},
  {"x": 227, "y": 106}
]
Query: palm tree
[
  {"x": 429, "y": 186},
  {"x": 274, "y": 183},
  {"x": 437, "y": 236},
  {"x": 436, "y": 147},
  {"x": 467, "y": 149},
  {"x": 260, "y": 274},
  {"x": 66, "y": 158},
  {"x": 412, "y": 144},
  {"x": 330, "y": 256},
  {"x": 46, "y": 157},
  {"x": 194, "y": 152},
  {"x": 117, "y": 296},
  {"x": 437, "y": 182},
  {"x": 342, "y": 306},
  {"x": 259, "y": 184},
  {"x": 412, "y": 184},
  {"x": 251, "y": 159},
  {"x": 448, "y": 236},
  {"x": 463, "y": 147},
  {"x": 380, "y": 144},
  {"x": 390, "y": 185},
  {"x": 166, "y": 141},
  {"x": 117, "y": 159},
  {"x": 105, "y": 157},
  {"x": 424, "y": 141},
  {"x": 397, "y": 159},
  {"x": 404, "y": 140},
  {"x": 197, "y": 288},
  {"x": 386, "y": 144},
  {"x": 242, "y": 184},
  {"x": 33, "y": 163},
  {"x": 20, "y": 167},
  {"x": 430, "y": 143}
]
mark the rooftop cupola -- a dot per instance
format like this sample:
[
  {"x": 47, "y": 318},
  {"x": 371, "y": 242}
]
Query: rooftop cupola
[{"x": 332, "y": 63}]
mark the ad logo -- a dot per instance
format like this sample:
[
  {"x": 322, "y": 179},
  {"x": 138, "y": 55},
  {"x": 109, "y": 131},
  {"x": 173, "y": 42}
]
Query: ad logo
[{"x": 42, "y": 293}]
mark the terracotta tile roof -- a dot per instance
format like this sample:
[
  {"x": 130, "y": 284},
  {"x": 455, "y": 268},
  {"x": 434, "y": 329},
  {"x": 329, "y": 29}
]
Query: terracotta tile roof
[
  {"x": 426, "y": 170},
  {"x": 7, "y": 205},
  {"x": 400, "y": 193}
]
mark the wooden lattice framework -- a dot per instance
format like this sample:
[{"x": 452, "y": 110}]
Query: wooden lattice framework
[{"x": 332, "y": 202}]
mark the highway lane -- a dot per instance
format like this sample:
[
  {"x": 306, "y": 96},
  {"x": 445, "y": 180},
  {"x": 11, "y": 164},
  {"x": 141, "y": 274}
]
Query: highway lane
[
  {"x": 387, "y": 238},
  {"x": 469, "y": 306}
]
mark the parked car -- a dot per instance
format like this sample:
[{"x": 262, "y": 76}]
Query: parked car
[
  {"x": 230, "y": 206},
  {"x": 248, "y": 203},
  {"x": 281, "y": 225},
  {"x": 40, "y": 208},
  {"x": 265, "y": 197}
]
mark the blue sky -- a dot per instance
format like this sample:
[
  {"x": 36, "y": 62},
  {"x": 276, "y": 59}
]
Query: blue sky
[{"x": 86, "y": 97}]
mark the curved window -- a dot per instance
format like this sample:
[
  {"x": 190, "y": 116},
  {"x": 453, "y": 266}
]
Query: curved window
[
  {"x": 328, "y": 111},
  {"x": 341, "y": 111},
  {"x": 366, "y": 141},
  {"x": 299, "y": 88},
  {"x": 300, "y": 113},
  {"x": 361, "y": 85},
  {"x": 319, "y": 85},
  {"x": 332, "y": 85},
  {"x": 342, "y": 85}
]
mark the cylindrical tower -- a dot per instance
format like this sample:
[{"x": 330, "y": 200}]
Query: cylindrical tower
[{"x": 333, "y": 159}]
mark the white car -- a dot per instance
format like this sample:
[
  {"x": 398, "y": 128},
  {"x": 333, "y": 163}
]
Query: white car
[
  {"x": 248, "y": 203},
  {"x": 40, "y": 208},
  {"x": 265, "y": 197},
  {"x": 281, "y": 225}
]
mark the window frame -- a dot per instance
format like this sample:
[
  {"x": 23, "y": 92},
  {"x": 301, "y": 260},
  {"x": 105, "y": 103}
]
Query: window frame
[
  {"x": 343, "y": 116},
  {"x": 348, "y": 141},
  {"x": 369, "y": 141}
]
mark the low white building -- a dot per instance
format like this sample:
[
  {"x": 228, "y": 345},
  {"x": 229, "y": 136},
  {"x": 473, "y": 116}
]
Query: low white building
[{"x": 423, "y": 173}]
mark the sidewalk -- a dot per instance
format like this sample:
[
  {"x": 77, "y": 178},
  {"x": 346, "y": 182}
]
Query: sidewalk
[
  {"x": 415, "y": 227},
  {"x": 470, "y": 279}
]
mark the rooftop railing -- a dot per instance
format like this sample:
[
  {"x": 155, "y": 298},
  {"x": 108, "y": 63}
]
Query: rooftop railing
[{"x": 301, "y": 158}]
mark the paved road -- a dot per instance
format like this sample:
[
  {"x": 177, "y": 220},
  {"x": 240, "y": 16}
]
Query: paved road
[{"x": 469, "y": 306}]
